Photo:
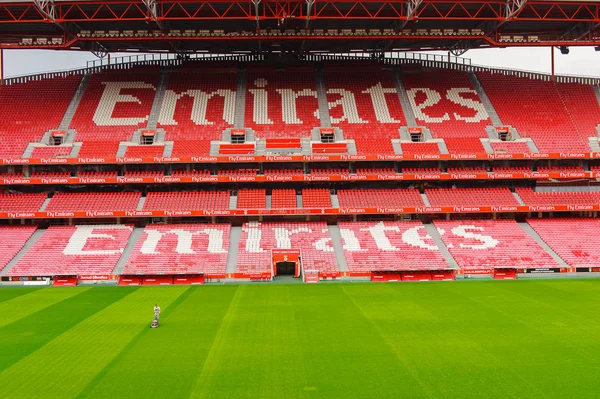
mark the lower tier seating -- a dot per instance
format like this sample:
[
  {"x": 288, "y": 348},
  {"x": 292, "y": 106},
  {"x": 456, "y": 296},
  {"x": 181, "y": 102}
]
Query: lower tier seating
[
  {"x": 21, "y": 202},
  {"x": 72, "y": 250},
  {"x": 283, "y": 199},
  {"x": 316, "y": 198},
  {"x": 389, "y": 245},
  {"x": 187, "y": 200},
  {"x": 572, "y": 239},
  {"x": 364, "y": 198},
  {"x": 470, "y": 197},
  {"x": 73, "y": 202},
  {"x": 252, "y": 199},
  {"x": 311, "y": 238},
  {"x": 180, "y": 249},
  {"x": 485, "y": 244},
  {"x": 13, "y": 240}
]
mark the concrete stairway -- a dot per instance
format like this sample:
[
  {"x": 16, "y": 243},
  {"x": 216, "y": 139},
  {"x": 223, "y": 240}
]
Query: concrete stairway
[
  {"x": 140, "y": 204},
  {"x": 268, "y": 202},
  {"x": 518, "y": 198},
  {"x": 487, "y": 146},
  {"x": 75, "y": 150},
  {"x": 233, "y": 202},
  {"x": 121, "y": 150},
  {"x": 168, "y": 149},
  {"x": 240, "y": 99},
  {"x": 322, "y": 98},
  {"x": 336, "y": 242},
  {"x": 435, "y": 236},
  {"x": 135, "y": 236},
  {"x": 594, "y": 146},
  {"x": 597, "y": 92},
  {"x": 409, "y": 115},
  {"x": 529, "y": 230},
  {"x": 335, "y": 202},
  {"x": 425, "y": 200},
  {"x": 397, "y": 146},
  {"x": 235, "y": 235},
  {"x": 159, "y": 98},
  {"x": 32, "y": 240},
  {"x": 532, "y": 146},
  {"x": 44, "y": 205},
  {"x": 72, "y": 108},
  {"x": 299, "y": 201},
  {"x": 442, "y": 146},
  {"x": 485, "y": 100}
]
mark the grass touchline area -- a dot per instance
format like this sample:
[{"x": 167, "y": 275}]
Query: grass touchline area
[{"x": 493, "y": 339}]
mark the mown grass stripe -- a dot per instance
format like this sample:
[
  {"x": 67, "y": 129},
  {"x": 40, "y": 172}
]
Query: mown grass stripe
[
  {"x": 173, "y": 353},
  {"x": 8, "y": 293},
  {"x": 24, "y": 305},
  {"x": 30, "y": 333},
  {"x": 63, "y": 367}
]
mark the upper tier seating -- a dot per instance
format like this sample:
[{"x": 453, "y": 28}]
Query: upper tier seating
[
  {"x": 570, "y": 239},
  {"x": 510, "y": 147},
  {"x": 281, "y": 103},
  {"x": 316, "y": 198},
  {"x": 31, "y": 109},
  {"x": 420, "y": 148},
  {"x": 564, "y": 169},
  {"x": 51, "y": 152},
  {"x": 185, "y": 173},
  {"x": 531, "y": 197},
  {"x": 284, "y": 172},
  {"x": 446, "y": 102},
  {"x": 198, "y": 106},
  {"x": 237, "y": 172},
  {"x": 283, "y": 199},
  {"x": 252, "y": 199},
  {"x": 311, "y": 238},
  {"x": 180, "y": 249},
  {"x": 144, "y": 173},
  {"x": 329, "y": 172},
  {"x": 421, "y": 170},
  {"x": 187, "y": 200},
  {"x": 390, "y": 198},
  {"x": 114, "y": 105},
  {"x": 42, "y": 175},
  {"x": 375, "y": 171},
  {"x": 582, "y": 105},
  {"x": 471, "y": 197},
  {"x": 13, "y": 240},
  {"x": 144, "y": 151},
  {"x": 73, "y": 202},
  {"x": 389, "y": 245},
  {"x": 94, "y": 174},
  {"x": 365, "y": 106},
  {"x": 467, "y": 170},
  {"x": 73, "y": 250},
  {"x": 537, "y": 110},
  {"x": 21, "y": 202},
  {"x": 485, "y": 244}
]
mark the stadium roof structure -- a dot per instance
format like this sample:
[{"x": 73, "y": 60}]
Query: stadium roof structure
[{"x": 296, "y": 26}]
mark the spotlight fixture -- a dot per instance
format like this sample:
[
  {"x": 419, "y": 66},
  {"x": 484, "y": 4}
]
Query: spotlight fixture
[
  {"x": 597, "y": 48},
  {"x": 564, "y": 50}
]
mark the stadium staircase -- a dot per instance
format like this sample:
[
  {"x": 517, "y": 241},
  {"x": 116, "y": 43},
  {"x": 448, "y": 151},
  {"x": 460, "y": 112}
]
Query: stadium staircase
[
  {"x": 335, "y": 202},
  {"x": 411, "y": 121},
  {"x": 336, "y": 242},
  {"x": 159, "y": 98},
  {"x": 141, "y": 203},
  {"x": 518, "y": 198},
  {"x": 435, "y": 236},
  {"x": 529, "y": 230},
  {"x": 425, "y": 199},
  {"x": 597, "y": 93},
  {"x": 233, "y": 201},
  {"x": 32, "y": 240},
  {"x": 299, "y": 201},
  {"x": 485, "y": 100},
  {"x": 240, "y": 99},
  {"x": 135, "y": 236},
  {"x": 322, "y": 98},
  {"x": 68, "y": 116},
  {"x": 44, "y": 205},
  {"x": 235, "y": 235}
]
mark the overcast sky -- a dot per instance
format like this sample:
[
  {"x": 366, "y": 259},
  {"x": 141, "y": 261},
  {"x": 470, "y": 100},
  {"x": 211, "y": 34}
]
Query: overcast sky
[{"x": 580, "y": 61}]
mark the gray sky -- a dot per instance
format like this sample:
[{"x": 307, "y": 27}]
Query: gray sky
[{"x": 580, "y": 61}]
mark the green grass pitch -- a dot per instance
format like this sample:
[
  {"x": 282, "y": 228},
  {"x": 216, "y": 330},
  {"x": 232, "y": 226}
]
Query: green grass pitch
[{"x": 486, "y": 339}]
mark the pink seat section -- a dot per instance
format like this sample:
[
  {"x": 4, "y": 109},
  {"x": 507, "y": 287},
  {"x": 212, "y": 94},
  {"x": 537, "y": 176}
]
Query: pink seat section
[
  {"x": 113, "y": 106},
  {"x": 572, "y": 239},
  {"x": 365, "y": 106},
  {"x": 13, "y": 240},
  {"x": 311, "y": 238},
  {"x": 389, "y": 245},
  {"x": 73, "y": 202},
  {"x": 537, "y": 110},
  {"x": 187, "y": 200},
  {"x": 72, "y": 250},
  {"x": 281, "y": 103},
  {"x": 21, "y": 202},
  {"x": 471, "y": 197},
  {"x": 447, "y": 103},
  {"x": 180, "y": 249},
  {"x": 531, "y": 197},
  {"x": 199, "y": 105},
  {"x": 372, "y": 198},
  {"x": 31, "y": 109},
  {"x": 486, "y": 244}
]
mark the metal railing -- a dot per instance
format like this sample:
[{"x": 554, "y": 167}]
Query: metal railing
[{"x": 425, "y": 60}]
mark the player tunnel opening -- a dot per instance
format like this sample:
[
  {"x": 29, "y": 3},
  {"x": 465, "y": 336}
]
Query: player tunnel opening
[{"x": 286, "y": 262}]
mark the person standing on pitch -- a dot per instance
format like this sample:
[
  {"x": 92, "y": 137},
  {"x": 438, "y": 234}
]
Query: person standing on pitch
[{"x": 156, "y": 312}]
